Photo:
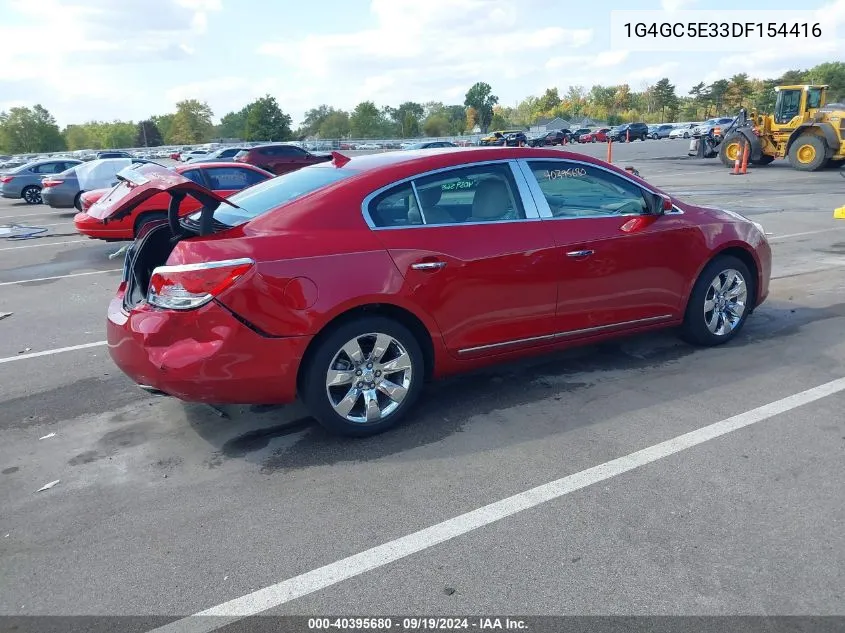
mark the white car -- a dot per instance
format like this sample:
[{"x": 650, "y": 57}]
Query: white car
[
  {"x": 683, "y": 131},
  {"x": 369, "y": 146}
]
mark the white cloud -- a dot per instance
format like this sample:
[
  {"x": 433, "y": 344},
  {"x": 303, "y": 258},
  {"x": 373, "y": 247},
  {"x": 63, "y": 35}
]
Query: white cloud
[
  {"x": 81, "y": 42},
  {"x": 654, "y": 72},
  {"x": 414, "y": 46}
]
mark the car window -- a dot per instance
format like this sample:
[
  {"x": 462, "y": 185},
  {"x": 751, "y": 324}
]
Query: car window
[
  {"x": 274, "y": 192},
  {"x": 393, "y": 208},
  {"x": 577, "y": 189},
  {"x": 484, "y": 193},
  {"x": 230, "y": 178},
  {"x": 48, "y": 168},
  {"x": 195, "y": 175}
]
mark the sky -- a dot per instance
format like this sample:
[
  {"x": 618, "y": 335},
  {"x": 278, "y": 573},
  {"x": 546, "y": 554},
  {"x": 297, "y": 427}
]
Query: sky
[{"x": 128, "y": 59}]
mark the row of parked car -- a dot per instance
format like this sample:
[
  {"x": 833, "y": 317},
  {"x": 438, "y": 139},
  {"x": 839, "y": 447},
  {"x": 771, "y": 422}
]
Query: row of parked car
[{"x": 637, "y": 131}]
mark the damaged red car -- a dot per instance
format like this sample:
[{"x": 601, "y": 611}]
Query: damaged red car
[
  {"x": 224, "y": 179},
  {"x": 350, "y": 283}
]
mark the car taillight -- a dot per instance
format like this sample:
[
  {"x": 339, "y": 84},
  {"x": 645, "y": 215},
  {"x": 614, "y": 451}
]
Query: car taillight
[
  {"x": 189, "y": 286},
  {"x": 51, "y": 183},
  {"x": 5, "y": 179}
]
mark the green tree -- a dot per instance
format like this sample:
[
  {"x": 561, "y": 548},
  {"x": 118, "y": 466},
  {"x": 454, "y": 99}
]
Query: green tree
[
  {"x": 78, "y": 137},
  {"x": 314, "y": 118},
  {"x": 792, "y": 77},
  {"x": 265, "y": 121},
  {"x": 148, "y": 134},
  {"x": 665, "y": 97},
  {"x": 698, "y": 93},
  {"x": 832, "y": 74},
  {"x": 366, "y": 121},
  {"x": 739, "y": 91},
  {"x": 499, "y": 121},
  {"x": 437, "y": 124},
  {"x": 191, "y": 123},
  {"x": 716, "y": 95},
  {"x": 550, "y": 100},
  {"x": 30, "y": 130},
  {"x": 163, "y": 123},
  {"x": 336, "y": 125},
  {"x": 406, "y": 118},
  {"x": 233, "y": 125},
  {"x": 481, "y": 99}
]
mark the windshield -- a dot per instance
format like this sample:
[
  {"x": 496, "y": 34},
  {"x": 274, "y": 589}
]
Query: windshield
[{"x": 275, "y": 192}]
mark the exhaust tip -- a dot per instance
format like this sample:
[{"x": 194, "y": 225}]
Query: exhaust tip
[{"x": 152, "y": 390}]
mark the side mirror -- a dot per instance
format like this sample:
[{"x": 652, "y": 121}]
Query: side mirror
[{"x": 662, "y": 204}]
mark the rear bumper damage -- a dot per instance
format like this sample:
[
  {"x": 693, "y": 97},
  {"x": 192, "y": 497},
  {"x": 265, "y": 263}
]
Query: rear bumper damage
[{"x": 204, "y": 355}]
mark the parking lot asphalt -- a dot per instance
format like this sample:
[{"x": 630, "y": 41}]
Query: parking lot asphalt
[{"x": 168, "y": 509}]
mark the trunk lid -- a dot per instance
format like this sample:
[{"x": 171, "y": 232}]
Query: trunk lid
[{"x": 142, "y": 182}]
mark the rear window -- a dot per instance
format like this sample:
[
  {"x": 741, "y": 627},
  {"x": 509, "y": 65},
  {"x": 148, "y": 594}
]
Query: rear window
[{"x": 277, "y": 191}]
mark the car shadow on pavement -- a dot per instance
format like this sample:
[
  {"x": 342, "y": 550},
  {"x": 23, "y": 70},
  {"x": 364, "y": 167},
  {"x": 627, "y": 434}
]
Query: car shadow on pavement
[{"x": 559, "y": 383}]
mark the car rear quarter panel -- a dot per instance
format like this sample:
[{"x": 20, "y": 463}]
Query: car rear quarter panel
[{"x": 305, "y": 281}]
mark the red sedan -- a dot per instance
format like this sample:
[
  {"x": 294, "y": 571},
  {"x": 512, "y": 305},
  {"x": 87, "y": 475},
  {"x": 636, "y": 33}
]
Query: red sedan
[
  {"x": 222, "y": 178},
  {"x": 350, "y": 283},
  {"x": 599, "y": 136}
]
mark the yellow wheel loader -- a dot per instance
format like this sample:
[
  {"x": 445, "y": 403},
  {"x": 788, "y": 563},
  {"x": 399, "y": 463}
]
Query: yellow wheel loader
[{"x": 804, "y": 128}]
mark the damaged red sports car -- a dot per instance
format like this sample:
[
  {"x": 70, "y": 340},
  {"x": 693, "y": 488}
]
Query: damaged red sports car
[{"x": 350, "y": 283}]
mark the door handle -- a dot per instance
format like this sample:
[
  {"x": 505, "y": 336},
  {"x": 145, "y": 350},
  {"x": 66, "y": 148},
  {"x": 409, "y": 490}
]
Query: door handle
[
  {"x": 579, "y": 253},
  {"x": 428, "y": 265}
]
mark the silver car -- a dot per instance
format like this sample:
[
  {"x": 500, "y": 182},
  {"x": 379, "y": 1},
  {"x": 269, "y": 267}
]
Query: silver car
[
  {"x": 25, "y": 181},
  {"x": 222, "y": 155},
  {"x": 63, "y": 190}
]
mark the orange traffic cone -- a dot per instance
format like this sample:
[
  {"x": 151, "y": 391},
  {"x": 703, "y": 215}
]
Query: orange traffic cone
[
  {"x": 737, "y": 163},
  {"x": 746, "y": 150},
  {"x": 609, "y": 150}
]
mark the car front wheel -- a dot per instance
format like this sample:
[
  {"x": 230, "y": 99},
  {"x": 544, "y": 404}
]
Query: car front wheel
[
  {"x": 31, "y": 195},
  {"x": 363, "y": 377},
  {"x": 720, "y": 302}
]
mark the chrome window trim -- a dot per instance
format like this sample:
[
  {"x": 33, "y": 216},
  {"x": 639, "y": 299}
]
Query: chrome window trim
[
  {"x": 543, "y": 204},
  {"x": 419, "y": 204},
  {"x": 566, "y": 334},
  {"x": 532, "y": 213}
]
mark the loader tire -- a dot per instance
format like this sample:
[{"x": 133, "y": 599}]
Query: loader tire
[
  {"x": 763, "y": 160},
  {"x": 808, "y": 153},
  {"x": 730, "y": 148}
]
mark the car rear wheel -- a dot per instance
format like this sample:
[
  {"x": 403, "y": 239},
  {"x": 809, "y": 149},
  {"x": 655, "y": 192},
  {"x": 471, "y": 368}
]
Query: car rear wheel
[
  {"x": 720, "y": 302},
  {"x": 31, "y": 195},
  {"x": 363, "y": 377},
  {"x": 146, "y": 218},
  {"x": 686, "y": 134},
  {"x": 77, "y": 201}
]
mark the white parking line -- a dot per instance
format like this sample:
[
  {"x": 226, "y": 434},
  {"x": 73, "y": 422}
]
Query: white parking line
[
  {"x": 788, "y": 235},
  {"x": 50, "y": 352},
  {"x": 15, "y": 248},
  {"x": 333, "y": 573},
  {"x": 93, "y": 272}
]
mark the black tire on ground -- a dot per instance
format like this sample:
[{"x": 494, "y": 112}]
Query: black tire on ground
[
  {"x": 808, "y": 153},
  {"x": 77, "y": 201},
  {"x": 312, "y": 384},
  {"x": 142, "y": 219},
  {"x": 32, "y": 195},
  {"x": 686, "y": 134},
  {"x": 695, "y": 328},
  {"x": 763, "y": 160}
]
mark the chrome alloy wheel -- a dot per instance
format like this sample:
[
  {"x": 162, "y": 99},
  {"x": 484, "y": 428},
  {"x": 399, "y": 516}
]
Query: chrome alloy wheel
[
  {"x": 369, "y": 378},
  {"x": 725, "y": 302}
]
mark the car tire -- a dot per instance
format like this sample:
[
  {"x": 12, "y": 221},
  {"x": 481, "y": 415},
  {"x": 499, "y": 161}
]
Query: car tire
[
  {"x": 146, "y": 218},
  {"x": 32, "y": 195},
  {"x": 686, "y": 134},
  {"x": 711, "y": 316},
  {"x": 77, "y": 201},
  {"x": 329, "y": 362}
]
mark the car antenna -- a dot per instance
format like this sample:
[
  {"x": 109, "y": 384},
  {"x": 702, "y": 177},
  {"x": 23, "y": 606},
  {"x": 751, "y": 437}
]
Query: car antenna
[{"x": 339, "y": 160}]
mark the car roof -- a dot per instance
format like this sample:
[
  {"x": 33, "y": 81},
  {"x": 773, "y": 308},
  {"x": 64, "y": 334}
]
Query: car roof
[{"x": 447, "y": 156}]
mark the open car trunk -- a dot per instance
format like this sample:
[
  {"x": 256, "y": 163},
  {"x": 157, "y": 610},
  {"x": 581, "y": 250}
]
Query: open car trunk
[{"x": 158, "y": 239}]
